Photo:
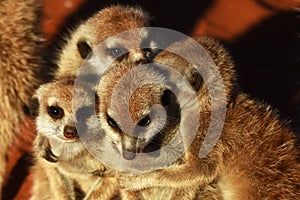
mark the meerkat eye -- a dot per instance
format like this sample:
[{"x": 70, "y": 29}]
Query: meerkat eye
[
  {"x": 196, "y": 80},
  {"x": 145, "y": 121},
  {"x": 112, "y": 122},
  {"x": 55, "y": 112},
  {"x": 116, "y": 52}
]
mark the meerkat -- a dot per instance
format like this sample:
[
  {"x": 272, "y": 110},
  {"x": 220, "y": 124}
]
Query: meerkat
[
  {"x": 63, "y": 164},
  {"x": 109, "y": 22},
  {"x": 20, "y": 40},
  {"x": 255, "y": 157},
  {"x": 148, "y": 120}
]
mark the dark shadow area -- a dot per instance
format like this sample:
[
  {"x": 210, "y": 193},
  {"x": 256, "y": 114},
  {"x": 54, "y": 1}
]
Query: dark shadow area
[
  {"x": 268, "y": 63},
  {"x": 17, "y": 176}
]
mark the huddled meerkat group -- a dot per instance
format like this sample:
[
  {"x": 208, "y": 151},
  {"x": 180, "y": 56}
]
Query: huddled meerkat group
[{"x": 136, "y": 112}]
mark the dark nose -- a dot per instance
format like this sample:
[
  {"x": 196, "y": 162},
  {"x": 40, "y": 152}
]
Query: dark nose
[
  {"x": 70, "y": 132},
  {"x": 128, "y": 155}
]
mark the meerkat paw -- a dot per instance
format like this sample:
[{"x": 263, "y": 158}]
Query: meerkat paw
[
  {"x": 49, "y": 156},
  {"x": 104, "y": 173}
]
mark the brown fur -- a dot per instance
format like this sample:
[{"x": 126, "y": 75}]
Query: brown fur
[
  {"x": 19, "y": 65},
  {"x": 104, "y": 24},
  {"x": 132, "y": 111},
  {"x": 256, "y": 157},
  {"x": 56, "y": 179}
]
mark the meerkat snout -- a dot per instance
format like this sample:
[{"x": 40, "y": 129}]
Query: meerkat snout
[
  {"x": 128, "y": 155},
  {"x": 129, "y": 147},
  {"x": 136, "y": 56},
  {"x": 70, "y": 132}
]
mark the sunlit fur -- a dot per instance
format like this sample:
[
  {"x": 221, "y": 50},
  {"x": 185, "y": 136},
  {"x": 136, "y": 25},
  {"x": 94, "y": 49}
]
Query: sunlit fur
[
  {"x": 256, "y": 156},
  {"x": 73, "y": 165},
  {"x": 108, "y": 22},
  {"x": 134, "y": 104}
]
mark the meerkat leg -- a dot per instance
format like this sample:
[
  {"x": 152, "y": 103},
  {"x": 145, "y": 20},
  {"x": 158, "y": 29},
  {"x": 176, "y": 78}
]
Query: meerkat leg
[
  {"x": 49, "y": 183},
  {"x": 60, "y": 186},
  {"x": 40, "y": 189},
  {"x": 129, "y": 195},
  {"x": 43, "y": 148},
  {"x": 105, "y": 189},
  {"x": 186, "y": 175},
  {"x": 184, "y": 194}
]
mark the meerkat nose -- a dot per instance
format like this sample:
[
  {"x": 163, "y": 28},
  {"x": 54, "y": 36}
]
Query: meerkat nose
[
  {"x": 128, "y": 155},
  {"x": 70, "y": 132},
  {"x": 138, "y": 57}
]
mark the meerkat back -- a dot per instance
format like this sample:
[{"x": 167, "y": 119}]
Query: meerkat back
[{"x": 19, "y": 66}]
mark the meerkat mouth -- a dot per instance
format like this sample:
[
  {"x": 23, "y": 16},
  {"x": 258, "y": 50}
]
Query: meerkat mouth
[
  {"x": 69, "y": 140},
  {"x": 152, "y": 148}
]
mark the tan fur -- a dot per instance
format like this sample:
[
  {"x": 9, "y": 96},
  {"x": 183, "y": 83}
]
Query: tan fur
[
  {"x": 19, "y": 65},
  {"x": 256, "y": 156},
  {"x": 71, "y": 163},
  {"x": 140, "y": 106},
  {"x": 106, "y": 23}
]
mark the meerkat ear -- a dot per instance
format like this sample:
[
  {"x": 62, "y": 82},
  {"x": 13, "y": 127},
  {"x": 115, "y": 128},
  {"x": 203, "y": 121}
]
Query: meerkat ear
[
  {"x": 84, "y": 49},
  {"x": 34, "y": 106},
  {"x": 195, "y": 79}
]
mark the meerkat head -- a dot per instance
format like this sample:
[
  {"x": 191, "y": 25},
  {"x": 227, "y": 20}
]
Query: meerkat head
[
  {"x": 136, "y": 109},
  {"x": 211, "y": 69},
  {"x": 108, "y": 22},
  {"x": 129, "y": 96},
  {"x": 56, "y": 115}
]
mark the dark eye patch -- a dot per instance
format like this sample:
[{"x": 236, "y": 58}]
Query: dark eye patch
[
  {"x": 55, "y": 112},
  {"x": 145, "y": 121},
  {"x": 112, "y": 123},
  {"x": 167, "y": 97},
  {"x": 84, "y": 49},
  {"x": 195, "y": 80},
  {"x": 34, "y": 107}
]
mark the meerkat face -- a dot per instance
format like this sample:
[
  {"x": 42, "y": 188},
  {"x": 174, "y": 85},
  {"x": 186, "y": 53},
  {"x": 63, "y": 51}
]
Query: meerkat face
[
  {"x": 56, "y": 116},
  {"x": 134, "y": 111},
  {"x": 108, "y": 22}
]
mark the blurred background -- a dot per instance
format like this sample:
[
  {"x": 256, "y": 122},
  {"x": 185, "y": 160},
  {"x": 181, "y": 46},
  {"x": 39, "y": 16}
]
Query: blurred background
[{"x": 262, "y": 36}]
